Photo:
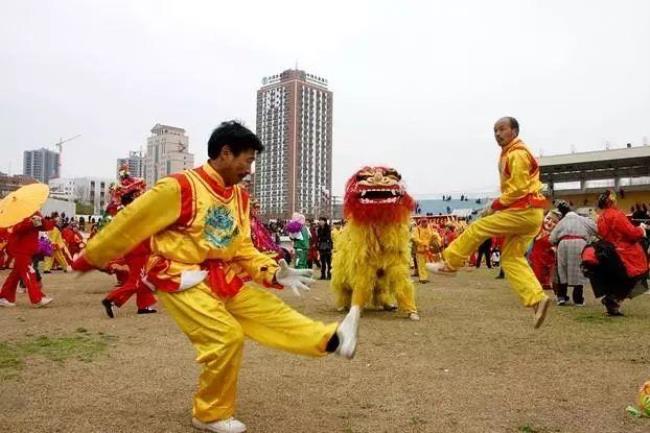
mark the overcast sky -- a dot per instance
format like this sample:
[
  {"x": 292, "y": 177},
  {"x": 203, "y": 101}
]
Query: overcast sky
[{"x": 417, "y": 85}]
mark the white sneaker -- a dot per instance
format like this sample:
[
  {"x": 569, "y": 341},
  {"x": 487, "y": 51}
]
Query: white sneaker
[
  {"x": 230, "y": 425},
  {"x": 414, "y": 316},
  {"x": 347, "y": 332},
  {"x": 5, "y": 303},
  {"x": 43, "y": 302}
]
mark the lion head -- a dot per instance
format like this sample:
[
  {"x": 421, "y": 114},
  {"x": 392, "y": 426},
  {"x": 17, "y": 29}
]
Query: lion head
[{"x": 377, "y": 195}]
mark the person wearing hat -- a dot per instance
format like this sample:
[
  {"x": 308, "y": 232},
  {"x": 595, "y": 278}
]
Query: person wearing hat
[
  {"x": 517, "y": 215},
  {"x": 22, "y": 246}
]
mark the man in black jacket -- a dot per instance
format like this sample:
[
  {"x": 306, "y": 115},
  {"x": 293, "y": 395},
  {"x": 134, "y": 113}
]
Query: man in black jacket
[{"x": 325, "y": 248}]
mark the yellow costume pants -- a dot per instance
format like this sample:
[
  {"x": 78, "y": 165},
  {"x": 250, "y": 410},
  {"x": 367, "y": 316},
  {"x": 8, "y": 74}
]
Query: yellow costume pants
[
  {"x": 216, "y": 327},
  {"x": 57, "y": 255},
  {"x": 422, "y": 259},
  {"x": 519, "y": 227}
]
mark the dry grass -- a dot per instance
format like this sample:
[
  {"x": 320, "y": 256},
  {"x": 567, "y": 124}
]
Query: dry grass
[{"x": 473, "y": 364}]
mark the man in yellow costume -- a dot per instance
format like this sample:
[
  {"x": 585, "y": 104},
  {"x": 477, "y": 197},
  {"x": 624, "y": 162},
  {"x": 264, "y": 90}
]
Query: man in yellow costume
[
  {"x": 202, "y": 263},
  {"x": 517, "y": 215},
  {"x": 60, "y": 254},
  {"x": 422, "y": 238}
]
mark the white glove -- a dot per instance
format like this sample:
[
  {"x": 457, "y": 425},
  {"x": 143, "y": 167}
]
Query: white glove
[{"x": 295, "y": 279}]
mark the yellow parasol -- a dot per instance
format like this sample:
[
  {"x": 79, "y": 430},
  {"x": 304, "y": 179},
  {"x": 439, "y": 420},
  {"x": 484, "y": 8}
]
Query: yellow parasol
[{"x": 22, "y": 203}]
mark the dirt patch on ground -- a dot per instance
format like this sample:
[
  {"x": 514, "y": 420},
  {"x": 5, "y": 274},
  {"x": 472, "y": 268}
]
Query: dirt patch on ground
[{"x": 472, "y": 364}]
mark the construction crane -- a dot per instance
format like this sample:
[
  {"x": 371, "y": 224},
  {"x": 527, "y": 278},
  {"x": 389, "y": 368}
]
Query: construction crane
[{"x": 59, "y": 146}]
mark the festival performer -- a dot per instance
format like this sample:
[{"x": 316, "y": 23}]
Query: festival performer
[
  {"x": 23, "y": 245},
  {"x": 450, "y": 233},
  {"x": 542, "y": 253},
  {"x": 371, "y": 261},
  {"x": 617, "y": 265},
  {"x": 436, "y": 243},
  {"x": 336, "y": 231},
  {"x": 517, "y": 214},
  {"x": 261, "y": 237},
  {"x": 60, "y": 253},
  {"x": 73, "y": 238},
  {"x": 297, "y": 230},
  {"x": 312, "y": 252},
  {"x": 571, "y": 235},
  {"x": 135, "y": 260},
  {"x": 4, "y": 239},
  {"x": 202, "y": 264},
  {"x": 423, "y": 238}
]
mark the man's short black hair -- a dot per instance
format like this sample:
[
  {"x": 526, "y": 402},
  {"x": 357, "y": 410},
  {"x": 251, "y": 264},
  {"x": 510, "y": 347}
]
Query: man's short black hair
[
  {"x": 236, "y": 136},
  {"x": 513, "y": 123}
]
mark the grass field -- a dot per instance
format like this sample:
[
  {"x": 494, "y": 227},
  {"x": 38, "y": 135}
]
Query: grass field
[{"x": 472, "y": 364}]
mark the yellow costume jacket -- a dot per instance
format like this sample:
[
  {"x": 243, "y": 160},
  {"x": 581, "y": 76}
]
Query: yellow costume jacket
[
  {"x": 57, "y": 239},
  {"x": 195, "y": 224},
  {"x": 422, "y": 236},
  {"x": 519, "y": 173}
]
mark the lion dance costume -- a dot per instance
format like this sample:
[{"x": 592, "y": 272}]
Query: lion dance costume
[{"x": 371, "y": 260}]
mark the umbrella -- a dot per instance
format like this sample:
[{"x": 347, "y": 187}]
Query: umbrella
[{"x": 22, "y": 203}]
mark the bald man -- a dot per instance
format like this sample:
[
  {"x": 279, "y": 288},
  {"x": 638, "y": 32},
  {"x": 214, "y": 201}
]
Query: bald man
[{"x": 516, "y": 215}]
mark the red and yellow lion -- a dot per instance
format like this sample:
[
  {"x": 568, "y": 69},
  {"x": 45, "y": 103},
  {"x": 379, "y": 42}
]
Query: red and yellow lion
[{"x": 371, "y": 262}]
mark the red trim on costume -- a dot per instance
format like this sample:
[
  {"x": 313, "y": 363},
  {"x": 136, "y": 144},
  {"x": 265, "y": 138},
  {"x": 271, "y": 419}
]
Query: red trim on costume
[
  {"x": 187, "y": 200},
  {"x": 153, "y": 276},
  {"x": 497, "y": 205},
  {"x": 80, "y": 264},
  {"x": 218, "y": 280},
  {"x": 244, "y": 198},
  {"x": 213, "y": 184},
  {"x": 506, "y": 168}
]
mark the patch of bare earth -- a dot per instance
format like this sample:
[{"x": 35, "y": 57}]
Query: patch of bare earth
[{"x": 472, "y": 364}]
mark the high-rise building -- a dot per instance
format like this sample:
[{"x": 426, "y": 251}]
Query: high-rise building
[
  {"x": 166, "y": 153},
  {"x": 135, "y": 163},
  {"x": 294, "y": 122},
  {"x": 41, "y": 164}
]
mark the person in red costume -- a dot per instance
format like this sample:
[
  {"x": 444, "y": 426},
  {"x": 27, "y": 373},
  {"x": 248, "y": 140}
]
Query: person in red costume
[
  {"x": 542, "y": 254},
  {"x": 22, "y": 246},
  {"x": 617, "y": 266},
  {"x": 73, "y": 238},
  {"x": 130, "y": 283},
  {"x": 4, "y": 238}
]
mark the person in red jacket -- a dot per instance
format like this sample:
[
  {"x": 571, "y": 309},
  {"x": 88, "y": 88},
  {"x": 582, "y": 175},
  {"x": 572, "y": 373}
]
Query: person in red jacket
[
  {"x": 614, "y": 227},
  {"x": 23, "y": 245}
]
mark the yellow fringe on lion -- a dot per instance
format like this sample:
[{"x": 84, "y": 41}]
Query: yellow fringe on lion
[{"x": 372, "y": 252}]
